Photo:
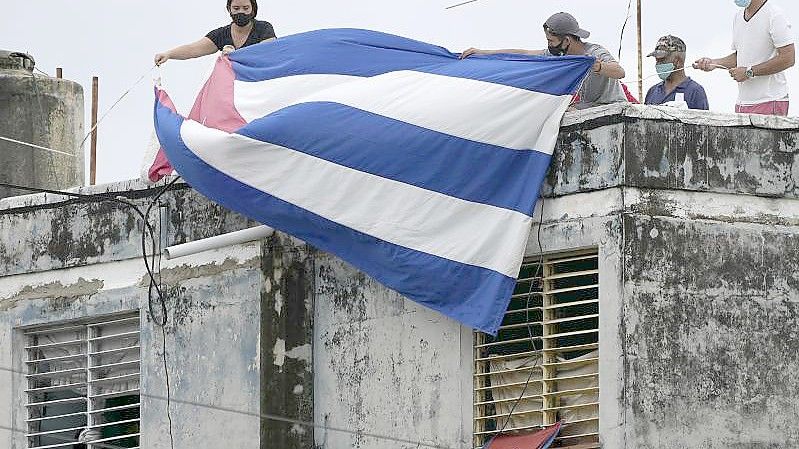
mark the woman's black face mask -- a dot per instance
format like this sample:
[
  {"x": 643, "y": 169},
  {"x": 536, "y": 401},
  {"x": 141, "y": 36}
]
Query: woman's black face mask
[
  {"x": 559, "y": 50},
  {"x": 241, "y": 18}
]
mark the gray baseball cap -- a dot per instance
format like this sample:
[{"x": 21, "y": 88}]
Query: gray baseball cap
[{"x": 565, "y": 23}]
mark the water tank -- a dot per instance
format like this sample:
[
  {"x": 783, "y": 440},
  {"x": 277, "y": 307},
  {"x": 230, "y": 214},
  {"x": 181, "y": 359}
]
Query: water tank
[{"x": 43, "y": 111}]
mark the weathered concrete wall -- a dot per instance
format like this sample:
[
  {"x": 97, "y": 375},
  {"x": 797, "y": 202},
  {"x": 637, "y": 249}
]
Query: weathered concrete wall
[
  {"x": 706, "y": 324},
  {"x": 43, "y": 111},
  {"x": 287, "y": 340},
  {"x": 711, "y": 314},
  {"x": 696, "y": 220},
  {"x": 213, "y": 353},
  {"x": 55, "y": 232},
  {"x": 77, "y": 259},
  {"x": 666, "y": 148},
  {"x": 387, "y": 366}
]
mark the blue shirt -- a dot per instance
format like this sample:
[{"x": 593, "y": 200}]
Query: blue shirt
[{"x": 694, "y": 94}]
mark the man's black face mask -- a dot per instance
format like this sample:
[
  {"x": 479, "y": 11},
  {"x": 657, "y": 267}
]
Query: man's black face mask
[
  {"x": 241, "y": 18},
  {"x": 559, "y": 50}
]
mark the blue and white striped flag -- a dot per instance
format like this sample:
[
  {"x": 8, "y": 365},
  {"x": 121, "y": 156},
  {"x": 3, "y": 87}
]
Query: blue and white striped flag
[{"x": 418, "y": 168}]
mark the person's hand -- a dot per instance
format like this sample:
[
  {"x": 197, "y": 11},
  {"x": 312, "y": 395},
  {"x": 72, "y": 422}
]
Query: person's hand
[
  {"x": 739, "y": 74},
  {"x": 705, "y": 64},
  {"x": 471, "y": 51},
  {"x": 228, "y": 49},
  {"x": 597, "y": 67},
  {"x": 161, "y": 58}
]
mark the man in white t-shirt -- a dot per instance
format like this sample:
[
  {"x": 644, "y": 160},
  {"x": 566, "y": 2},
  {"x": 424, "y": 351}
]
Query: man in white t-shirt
[{"x": 763, "y": 48}]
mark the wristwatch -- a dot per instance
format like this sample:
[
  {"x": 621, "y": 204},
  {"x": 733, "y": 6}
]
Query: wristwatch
[{"x": 750, "y": 73}]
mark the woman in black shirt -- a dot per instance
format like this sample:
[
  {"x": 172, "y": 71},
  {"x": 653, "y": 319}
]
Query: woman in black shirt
[{"x": 243, "y": 30}]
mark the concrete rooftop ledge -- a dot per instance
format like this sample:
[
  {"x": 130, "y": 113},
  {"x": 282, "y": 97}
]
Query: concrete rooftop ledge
[
  {"x": 130, "y": 188},
  {"x": 623, "y": 145},
  {"x": 657, "y": 147},
  {"x": 687, "y": 116}
]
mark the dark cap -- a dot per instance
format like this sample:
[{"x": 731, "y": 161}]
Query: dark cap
[
  {"x": 564, "y": 23},
  {"x": 668, "y": 44}
]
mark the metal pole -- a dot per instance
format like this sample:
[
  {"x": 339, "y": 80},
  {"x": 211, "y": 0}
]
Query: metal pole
[
  {"x": 640, "y": 58},
  {"x": 93, "y": 156}
]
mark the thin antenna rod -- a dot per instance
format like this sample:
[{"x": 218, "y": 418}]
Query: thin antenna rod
[{"x": 460, "y": 4}]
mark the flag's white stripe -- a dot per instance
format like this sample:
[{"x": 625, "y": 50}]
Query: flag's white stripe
[
  {"x": 405, "y": 215},
  {"x": 475, "y": 110},
  {"x": 257, "y": 99}
]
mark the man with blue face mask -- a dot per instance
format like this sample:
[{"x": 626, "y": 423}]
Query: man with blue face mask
[
  {"x": 763, "y": 48},
  {"x": 676, "y": 88}
]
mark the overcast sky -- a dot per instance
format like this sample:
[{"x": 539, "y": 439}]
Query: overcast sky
[{"x": 117, "y": 39}]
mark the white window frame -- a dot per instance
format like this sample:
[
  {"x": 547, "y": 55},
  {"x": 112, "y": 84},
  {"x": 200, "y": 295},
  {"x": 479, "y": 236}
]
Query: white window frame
[
  {"x": 551, "y": 362},
  {"x": 89, "y": 378}
]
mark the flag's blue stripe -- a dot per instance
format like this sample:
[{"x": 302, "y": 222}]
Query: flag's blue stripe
[
  {"x": 475, "y": 296},
  {"x": 407, "y": 153},
  {"x": 368, "y": 53}
]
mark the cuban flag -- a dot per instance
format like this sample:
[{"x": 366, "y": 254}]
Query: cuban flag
[{"x": 418, "y": 168}]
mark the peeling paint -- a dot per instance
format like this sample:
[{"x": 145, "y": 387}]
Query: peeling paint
[
  {"x": 279, "y": 352},
  {"x": 302, "y": 353}
]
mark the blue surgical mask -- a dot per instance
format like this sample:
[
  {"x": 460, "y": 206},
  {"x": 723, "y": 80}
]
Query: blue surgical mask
[
  {"x": 664, "y": 70},
  {"x": 743, "y": 3}
]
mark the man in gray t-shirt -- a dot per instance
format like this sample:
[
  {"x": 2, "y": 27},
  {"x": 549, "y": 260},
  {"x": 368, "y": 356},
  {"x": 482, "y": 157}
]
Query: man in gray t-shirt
[{"x": 565, "y": 37}]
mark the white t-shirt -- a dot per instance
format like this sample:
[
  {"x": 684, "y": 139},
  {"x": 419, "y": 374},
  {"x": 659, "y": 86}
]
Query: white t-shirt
[{"x": 756, "y": 41}]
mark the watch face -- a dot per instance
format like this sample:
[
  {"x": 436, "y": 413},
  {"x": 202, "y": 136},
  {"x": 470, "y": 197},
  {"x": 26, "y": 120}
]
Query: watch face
[{"x": 750, "y": 73}]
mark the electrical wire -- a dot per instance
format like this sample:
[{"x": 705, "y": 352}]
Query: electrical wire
[
  {"x": 114, "y": 105},
  {"x": 42, "y": 72},
  {"x": 158, "y": 287},
  {"x": 64, "y": 439},
  {"x": 147, "y": 230},
  {"x": 19, "y": 142},
  {"x": 278, "y": 418},
  {"x": 124, "y": 94},
  {"x": 155, "y": 285},
  {"x": 671, "y": 71},
  {"x": 624, "y": 26},
  {"x": 533, "y": 278}
]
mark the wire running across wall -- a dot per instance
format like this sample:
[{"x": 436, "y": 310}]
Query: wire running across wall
[
  {"x": 268, "y": 417},
  {"x": 149, "y": 263}
]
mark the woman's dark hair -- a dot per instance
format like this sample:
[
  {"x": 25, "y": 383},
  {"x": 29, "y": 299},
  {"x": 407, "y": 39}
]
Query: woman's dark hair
[{"x": 254, "y": 4}]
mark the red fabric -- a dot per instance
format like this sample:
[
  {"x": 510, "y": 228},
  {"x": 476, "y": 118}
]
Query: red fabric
[
  {"x": 538, "y": 440},
  {"x": 767, "y": 108},
  {"x": 630, "y": 97},
  {"x": 218, "y": 90}
]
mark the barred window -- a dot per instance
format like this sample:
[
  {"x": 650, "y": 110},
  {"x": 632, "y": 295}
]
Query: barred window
[
  {"x": 548, "y": 341},
  {"x": 83, "y": 384}
]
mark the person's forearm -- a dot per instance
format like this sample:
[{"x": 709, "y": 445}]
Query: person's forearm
[
  {"x": 728, "y": 62},
  {"x": 612, "y": 70},
  {"x": 784, "y": 60},
  {"x": 187, "y": 51}
]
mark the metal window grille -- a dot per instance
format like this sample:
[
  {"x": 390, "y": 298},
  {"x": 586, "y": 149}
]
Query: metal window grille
[
  {"x": 83, "y": 384},
  {"x": 549, "y": 336}
]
